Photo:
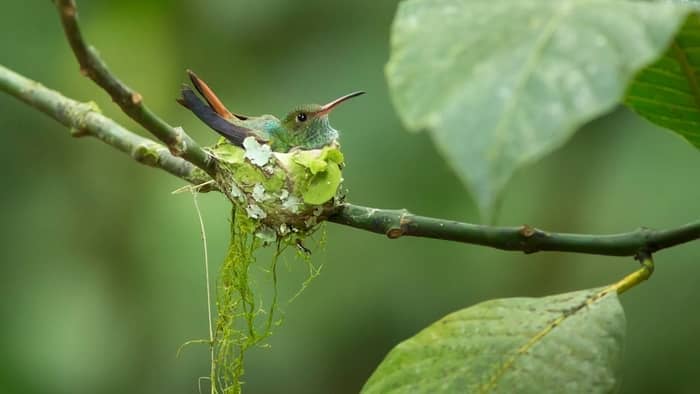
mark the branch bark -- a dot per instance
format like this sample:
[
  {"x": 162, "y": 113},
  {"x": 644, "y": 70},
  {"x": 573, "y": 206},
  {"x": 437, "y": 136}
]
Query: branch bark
[
  {"x": 398, "y": 223},
  {"x": 130, "y": 101},
  {"x": 85, "y": 119}
]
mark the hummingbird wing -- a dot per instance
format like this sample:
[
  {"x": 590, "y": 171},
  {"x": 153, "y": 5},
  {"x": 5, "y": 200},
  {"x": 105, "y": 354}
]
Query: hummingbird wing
[{"x": 234, "y": 133}]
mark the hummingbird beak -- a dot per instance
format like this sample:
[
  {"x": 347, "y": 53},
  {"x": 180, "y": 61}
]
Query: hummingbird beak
[{"x": 325, "y": 109}]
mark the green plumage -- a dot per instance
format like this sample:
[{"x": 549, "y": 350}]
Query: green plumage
[{"x": 306, "y": 127}]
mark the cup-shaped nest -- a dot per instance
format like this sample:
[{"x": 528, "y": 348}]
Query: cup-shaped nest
[{"x": 284, "y": 193}]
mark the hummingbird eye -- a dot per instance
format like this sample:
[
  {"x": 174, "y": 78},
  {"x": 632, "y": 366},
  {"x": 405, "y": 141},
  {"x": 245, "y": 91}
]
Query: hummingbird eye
[{"x": 301, "y": 117}]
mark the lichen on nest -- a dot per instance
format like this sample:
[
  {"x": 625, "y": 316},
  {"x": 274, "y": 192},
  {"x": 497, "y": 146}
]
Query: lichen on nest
[
  {"x": 278, "y": 199},
  {"x": 284, "y": 192}
]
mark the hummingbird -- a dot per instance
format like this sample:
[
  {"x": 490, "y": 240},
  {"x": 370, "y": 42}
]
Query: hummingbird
[{"x": 305, "y": 127}]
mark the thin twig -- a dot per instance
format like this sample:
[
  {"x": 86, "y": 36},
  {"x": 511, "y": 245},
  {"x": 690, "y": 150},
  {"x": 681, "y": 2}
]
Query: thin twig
[{"x": 130, "y": 101}]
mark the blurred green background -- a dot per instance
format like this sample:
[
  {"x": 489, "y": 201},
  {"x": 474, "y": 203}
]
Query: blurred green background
[{"x": 101, "y": 272}]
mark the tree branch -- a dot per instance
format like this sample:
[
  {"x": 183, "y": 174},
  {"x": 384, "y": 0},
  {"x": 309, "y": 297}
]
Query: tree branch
[
  {"x": 131, "y": 102},
  {"x": 398, "y": 223},
  {"x": 85, "y": 119}
]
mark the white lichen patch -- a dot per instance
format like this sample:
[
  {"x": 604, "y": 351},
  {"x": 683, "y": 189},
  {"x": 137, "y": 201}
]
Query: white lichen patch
[
  {"x": 181, "y": 145},
  {"x": 236, "y": 192},
  {"x": 266, "y": 234},
  {"x": 284, "y": 229},
  {"x": 258, "y": 154},
  {"x": 284, "y": 193},
  {"x": 291, "y": 204},
  {"x": 259, "y": 193},
  {"x": 254, "y": 212},
  {"x": 283, "y": 160}
]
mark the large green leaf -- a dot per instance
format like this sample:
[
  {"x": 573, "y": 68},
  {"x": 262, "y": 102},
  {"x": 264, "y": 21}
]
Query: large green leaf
[
  {"x": 501, "y": 83},
  {"x": 567, "y": 343},
  {"x": 668, "y": 92}
]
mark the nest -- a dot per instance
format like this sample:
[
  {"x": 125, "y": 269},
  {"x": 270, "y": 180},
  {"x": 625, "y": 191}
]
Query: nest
[{"x": 285, "y": 193}]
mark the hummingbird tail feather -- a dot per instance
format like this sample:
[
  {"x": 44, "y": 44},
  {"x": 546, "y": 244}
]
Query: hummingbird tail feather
[
  {"x": 235, "y": 134},
  {"x": 211, "y": 97}
]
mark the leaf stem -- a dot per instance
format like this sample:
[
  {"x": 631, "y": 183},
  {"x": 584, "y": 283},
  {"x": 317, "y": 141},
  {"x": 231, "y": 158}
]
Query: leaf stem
[{"x": 637, "y": 276}]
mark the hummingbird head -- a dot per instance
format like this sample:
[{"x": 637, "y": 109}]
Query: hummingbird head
[{"x": 308, "y": 127}]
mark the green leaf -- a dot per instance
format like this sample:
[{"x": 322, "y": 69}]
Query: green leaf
[
  {"x": 667, "y": 92},
  {"x": 315, "y": 161},
  {"x": 501, "y": 83},
  {"x": 325, "y": 175},
  {"x": 566, "y": 343},
  {"x": 323, "y": 185}
]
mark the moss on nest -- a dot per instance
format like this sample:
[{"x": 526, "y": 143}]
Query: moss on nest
[{"x": 279, "y": 199}]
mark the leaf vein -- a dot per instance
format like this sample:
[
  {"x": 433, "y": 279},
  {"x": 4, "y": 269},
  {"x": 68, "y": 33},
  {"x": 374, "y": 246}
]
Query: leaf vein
[
  {"x": 665, "y": 88},
  {"x": 525, "y": 74},
  {"x": 662, "y": 71},
  {"x": 679, "y": 107},
  {"x": 537, "y": 338},
  {"x": 687, "y": 70}
]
